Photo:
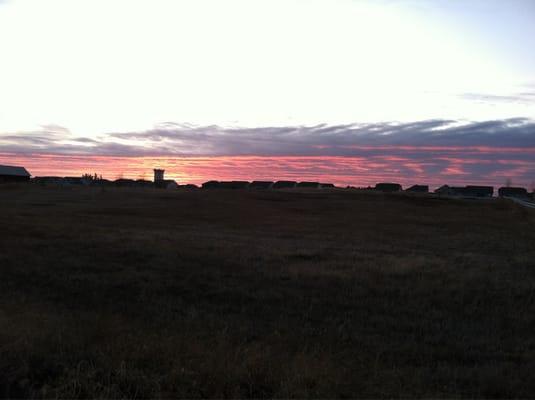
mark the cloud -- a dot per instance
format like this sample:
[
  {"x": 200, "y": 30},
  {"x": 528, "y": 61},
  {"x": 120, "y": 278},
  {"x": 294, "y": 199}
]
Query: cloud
[
  {"x": 433, "y": 152},
  {"x": 525, "y": 96},
  {"x": 338, "y": 140},
  {"x": 172, "y": 139}
]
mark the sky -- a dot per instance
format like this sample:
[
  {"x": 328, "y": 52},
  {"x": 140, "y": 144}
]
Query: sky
[{"x": 350, "y": 91}]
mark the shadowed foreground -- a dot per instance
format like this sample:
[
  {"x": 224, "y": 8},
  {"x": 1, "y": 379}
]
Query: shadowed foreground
[{"x": 119, "y": 293}]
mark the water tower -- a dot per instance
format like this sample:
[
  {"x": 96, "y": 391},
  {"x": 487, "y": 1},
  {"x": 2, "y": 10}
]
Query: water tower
[{"x": 158, "y": 175}]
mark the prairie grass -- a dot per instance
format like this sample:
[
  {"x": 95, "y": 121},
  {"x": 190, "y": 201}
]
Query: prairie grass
[{"x": 144, "y": 293}]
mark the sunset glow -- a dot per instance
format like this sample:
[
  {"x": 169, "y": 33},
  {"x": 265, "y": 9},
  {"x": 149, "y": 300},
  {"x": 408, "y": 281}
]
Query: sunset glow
[
  {"x": 345, "y": 91},
  {"x": 435, "y": 168}
]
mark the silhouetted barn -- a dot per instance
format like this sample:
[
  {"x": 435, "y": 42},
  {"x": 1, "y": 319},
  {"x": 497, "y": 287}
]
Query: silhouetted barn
[
  {"x": 311, "y": 185},
  {"x": 284, "y": 184},
  {"x": 261, "y": 185},
  {"x": 388, "y": 187},
  {"x": 13, "y": 174},
  {"x": 513, "y": 192},
  {"x": 327, "y": 185}
]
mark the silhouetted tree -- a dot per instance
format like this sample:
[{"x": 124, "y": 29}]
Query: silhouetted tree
[{"x": 92, "y": 177}]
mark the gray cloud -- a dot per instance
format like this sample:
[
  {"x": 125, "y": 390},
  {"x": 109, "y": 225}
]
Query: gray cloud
[
  {"x": 333, "y": 140},
  {"x": 172, "y": 139},
  {"x": 489, "y": 98},
  {"x": 526, "y": 96},
  {"x": 433, "y": 151}
]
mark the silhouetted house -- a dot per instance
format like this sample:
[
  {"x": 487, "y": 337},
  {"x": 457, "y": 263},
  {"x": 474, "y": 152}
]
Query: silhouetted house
[
  {"x": 467, "y": 191},
  {"x": 13, "y": 174},
  {"x": 479, "y": 191},
  {"x": 170, "y": 184},
  {"x": 210, "y": 185},
  {"x": 165, "y": 184},
  {"x": 388, "y": 187},
  {"x": 102, "y": 182},
  {"x": 188, "y": 186},
  {"x": 233, "y": 185},
  {"x": 453, "y": 191},
  {"x": 444, "y": 190},
  {"x": 144, "y": 183},
  {"x": 327, "y": 185},
  {"x": 460, "y": 191},
  {"x": 513, "y": 192},
  {"x": 125, "y": 182},
  {"x": 284, "y": 184},
  {"x": 75, "y": 181},
  {"x": 225, "y": 185},
  {"x": 69, "y": 181},
  {"x": 48, "y": 180},
  {"x": 311, "y": 185},
  {"x": 161, "y": 184},
  {"x": 261, "y": 185},
  {"x": 418, "y": 189}
]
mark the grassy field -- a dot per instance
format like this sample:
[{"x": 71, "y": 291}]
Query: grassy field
[{"x": 148, "y": 293}]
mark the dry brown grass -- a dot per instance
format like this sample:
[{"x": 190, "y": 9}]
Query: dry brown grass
[{"x": 125, "y": 293}]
